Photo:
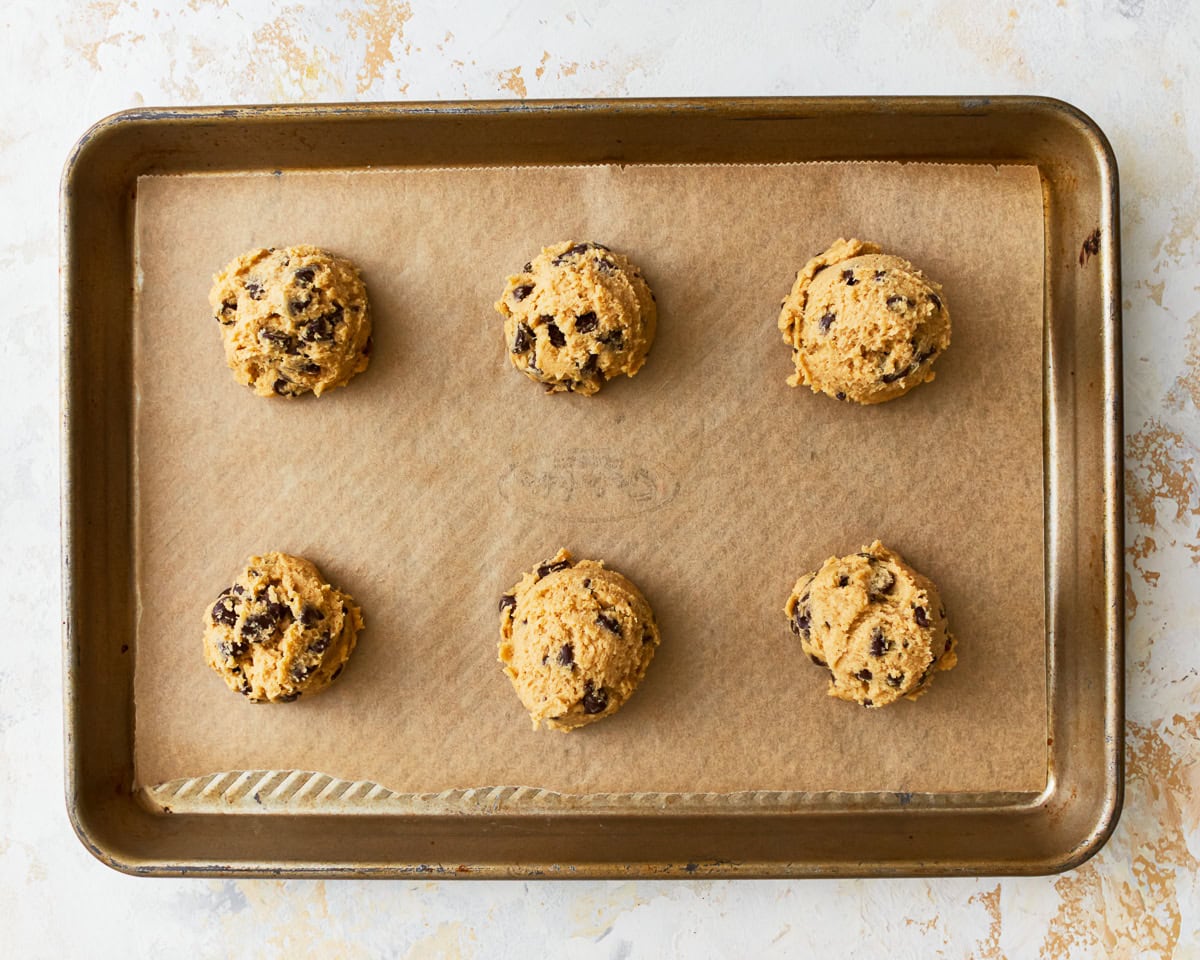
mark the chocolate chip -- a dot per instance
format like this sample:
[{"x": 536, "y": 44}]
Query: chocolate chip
[
  {"x": 312, "y": 369},
  {"x": 523, "y": 339},
  {"x": 604, "y": 265},
  {"x": 258, "y": 624},
  {"x": 802, "y": 620},
  {"x": 550, "y": 567},
  {"x": 919, "y": 616},
  {"x": 843, "y": 581},
  {"x": 894, "y": 680},
  {"x": 848, "y": 276},
  {"x": 310, "y": 615},
  {"x": 922, "y": 357},
  {"x": 321, "y": 644},
  {"x": 522, "y": 291},
  {"x": 898, "y": 375},
  {"x": 610, "y": 624},
  {"x": 284, "y": 341},
  {"x": 281, "y": 385},
  {"x": 883, "y": 581},
  {"x": 289, "y": 697},
  {"x": 528, "y": 266},
  {"x": 864, "y": 674},
  {"x": 300, "y": 671},
  {"x": 586, "y": 322},
  {"x": 299, "y": 306},
  {"x": 224, "y": 611},
  {"x": 305, "y": 276},
  {"x": 614, "y": 339},
  {"x": 817, "y": 660},
  {"x": 234, "y": 648},
  {"x": 338, "y": 672},
  {"x": 936, "y": 301},
  {"x": 508, "y": 601},
  {"x": 254, "y": 289},
  {"x": 595, "y": 700},
  {"x": 897, "y": 302},
  {"x": 566, "y": 655},
  {"x": 317, "y": 330},
  {"x": 879, "y": 643},
  {"x": 590, "y": 365},
  {"x": 278, "y": 610},
  {"x": 840, "y": 395},
  {"x": 245, "y": 690},
  {"x": 557, "y": 337},
  {"x": 868, "y": 703},
  {"x": 826, "y": 321},
  {"x": 880, "y": 275}
]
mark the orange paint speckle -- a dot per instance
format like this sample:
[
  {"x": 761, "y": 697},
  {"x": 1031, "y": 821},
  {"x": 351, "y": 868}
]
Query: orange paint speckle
[
  {"x": 989, "y": 949},
  {"x": 568, "y": 69},
  {"x": 382, "y": 23},
  {"x": 512, "y": 80},
  {"x": 542, "y": 66}
]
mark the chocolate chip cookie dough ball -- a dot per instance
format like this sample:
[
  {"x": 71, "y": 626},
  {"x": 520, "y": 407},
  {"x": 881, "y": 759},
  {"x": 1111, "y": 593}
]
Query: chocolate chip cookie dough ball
[
  {"x": 575, "y": 639},
  {"x": 279, "y": 630},
  {"x": 862, "y": 325},
  {"x": 875, "y": 623},
  {"x": 292, "y": 320},
  {"x": 578, "y": 315}
]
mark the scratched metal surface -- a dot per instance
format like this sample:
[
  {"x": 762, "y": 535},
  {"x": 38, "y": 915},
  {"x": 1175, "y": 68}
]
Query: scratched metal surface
[{"x": 1131, "y": 64}]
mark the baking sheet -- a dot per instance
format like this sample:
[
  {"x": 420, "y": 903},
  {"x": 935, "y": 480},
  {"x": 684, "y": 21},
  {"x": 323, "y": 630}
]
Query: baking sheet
[{"x": 428, "y": 485}]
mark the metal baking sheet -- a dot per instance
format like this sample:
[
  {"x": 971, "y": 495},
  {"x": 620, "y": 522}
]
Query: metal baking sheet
[{"x": 175, "y": 829}]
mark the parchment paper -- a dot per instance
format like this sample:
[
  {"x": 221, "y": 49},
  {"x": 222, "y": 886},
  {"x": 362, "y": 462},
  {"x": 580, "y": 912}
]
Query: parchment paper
[{"x": 436, "y": 478}]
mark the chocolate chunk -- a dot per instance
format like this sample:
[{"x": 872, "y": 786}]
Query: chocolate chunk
[
  {"x": 922, "y": 357},
  {"x": 508, "y": 601},
  {"x": 864, "y": 674},
  {"x": 338, "y": 672},
  {"x": 826, "y": 321},
  {"x": 848, "y": 276},
  {"x": 879, "y": 643},
  {"x": 595, "y": 700},
  {"x": 817, "y": 660},
  {"x": 898, "y": 375},
  {"x": 523, "y": 339},
  {"x": 281, "y": 385},
  {"x": 238, "y": 589},
  {"x": 550, "y": 567},
  {"x": 300, "y": 671},
  {"x": 321, "y": 644},
  {"x": 312, "y": 369},
  {"x": 802, "y": 620},
  {"x": 310, "y": 615},
  {"x": 224, "y": 611},
  {"x": 840, "y": 395},
  {"x": 522, "y": 291},
  {"x": 254, "y": 289},
  {"x": 868, "y": 703},
  {"x": 610, "y": 624},
  {"x": 587, "y": 582},
  {"x": 614, "y": 339},
  {"x": 557, "y": 337},
  {"x": 897, "y": 302},
  {"x": 245, "y": 690},
  {"x": 590, "y": 365},
  {"x": 883, "y": 581},
  {"x": 919, "y": 616},
  {"x": 936, "y": 301},
  {"x": 277, "y": 338},
  {"x": 894, "y": 680},
  {"x": 586, "y": 322},
  {"x": 278, "y": 610},
  {"x": 305, "y": 276},
  {"x": 843, "y": 581},
  {"x": 289, "y": 697},
  {"x": 258, "y": 624},
  {"x": 299, "y": 306},
  {"x": 566, "y": 655},
  {"x": 880, "y": 275},
  {"x": 234, "y": 648},
  {"x": 605, "y": 265},
  {"x": 317, "y": 330},
  {"x": 528, "y": 267}
]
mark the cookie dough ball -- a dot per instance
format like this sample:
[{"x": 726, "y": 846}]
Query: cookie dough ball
[
  {"x": 862, "y": 325},
  {"x": 279, "y": 630},
  {"x": 875, "y": 623},
  {"x": 578, "y": 315},
  {"x": 293, "y": 320},
  {"x": 575, "y": 639}
]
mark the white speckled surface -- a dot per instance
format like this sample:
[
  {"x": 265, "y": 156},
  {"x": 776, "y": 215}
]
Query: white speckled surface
[{"x": 1133, "y": 65}]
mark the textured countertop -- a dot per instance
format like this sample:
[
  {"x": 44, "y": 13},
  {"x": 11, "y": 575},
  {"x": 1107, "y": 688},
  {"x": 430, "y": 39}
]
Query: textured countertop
[{"x": 1133, "y": 65}]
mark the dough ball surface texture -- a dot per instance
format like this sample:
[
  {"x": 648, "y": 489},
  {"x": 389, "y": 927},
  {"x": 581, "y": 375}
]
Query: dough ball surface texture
[
  {"x": 292, "y": 320},
  {"x": 875, "y": 623},
  {"x": 279, "y": 630},
  {"x": 862, "y": 325},
  {"x": 576, "y": 316},
  {"x": 575, "y": 640}
]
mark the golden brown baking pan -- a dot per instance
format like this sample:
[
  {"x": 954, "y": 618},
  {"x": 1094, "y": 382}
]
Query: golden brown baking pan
[{"x": 293, "y": 823}]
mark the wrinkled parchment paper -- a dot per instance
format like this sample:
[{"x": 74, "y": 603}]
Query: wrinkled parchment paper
[{"x": 436, "y": 478}]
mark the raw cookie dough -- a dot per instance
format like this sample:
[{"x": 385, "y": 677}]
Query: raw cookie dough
[
  {"x": 862, "y": 325},
  {"x": 292, "y": 320},
  {"x": 280, "y": 630},
  {"x": 877, "y": 624},
  {"x": 575, "y": 639},
  {"x": 578, "y": 315}
]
